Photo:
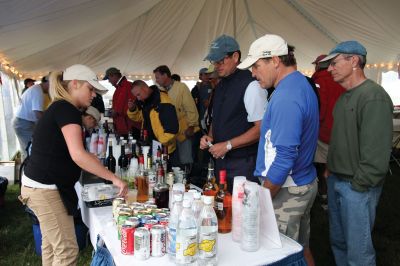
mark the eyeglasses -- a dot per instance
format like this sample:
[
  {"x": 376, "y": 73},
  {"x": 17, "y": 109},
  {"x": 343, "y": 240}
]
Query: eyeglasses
[{"x": 334, "y": 62}]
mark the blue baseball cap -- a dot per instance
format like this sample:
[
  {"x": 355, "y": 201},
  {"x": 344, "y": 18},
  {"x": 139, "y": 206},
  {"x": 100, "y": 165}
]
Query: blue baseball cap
[
  {"x": 348, "y": 47},
  {"x": 220, "y": 47}
]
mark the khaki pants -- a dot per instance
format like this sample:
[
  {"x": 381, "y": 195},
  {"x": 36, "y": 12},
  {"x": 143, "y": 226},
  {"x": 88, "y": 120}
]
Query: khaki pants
[{"x": 59, "y": 246}]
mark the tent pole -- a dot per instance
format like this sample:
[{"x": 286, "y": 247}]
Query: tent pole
[{"x": 234, "y": 18}]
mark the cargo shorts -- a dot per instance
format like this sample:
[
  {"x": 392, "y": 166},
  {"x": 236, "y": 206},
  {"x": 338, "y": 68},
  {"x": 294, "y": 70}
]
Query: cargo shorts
[{"x": 292, "y": 207}]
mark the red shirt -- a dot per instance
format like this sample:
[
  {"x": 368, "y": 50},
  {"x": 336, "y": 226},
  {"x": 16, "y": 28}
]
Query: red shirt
[
  {"x": 122, "y": 123},
  {"x": 329, "y": 92}
]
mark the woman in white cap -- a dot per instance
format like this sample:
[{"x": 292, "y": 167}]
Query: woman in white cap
[{"x": 56, "y": 161}]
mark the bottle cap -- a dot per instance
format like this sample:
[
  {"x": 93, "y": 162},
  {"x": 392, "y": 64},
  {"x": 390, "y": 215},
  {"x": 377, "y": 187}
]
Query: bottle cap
[{"x": 222, "y": 176}]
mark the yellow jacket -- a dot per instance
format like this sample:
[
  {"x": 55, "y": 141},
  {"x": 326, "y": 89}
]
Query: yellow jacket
[
  {"x": 185, "y": 108},
  {"x": 158, "y": 115}
]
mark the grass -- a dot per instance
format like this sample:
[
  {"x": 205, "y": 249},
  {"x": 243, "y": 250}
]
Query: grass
[{"x": 17, "y": 245}]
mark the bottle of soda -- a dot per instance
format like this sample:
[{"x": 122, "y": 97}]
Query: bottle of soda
[
  {"x": 208, "y": 234},
  {"x": 197, "y": 205},
  {"x": 210, "y": 188},
  {"x": 223, "y": 200},
  {"x": 186, "y": 237}
]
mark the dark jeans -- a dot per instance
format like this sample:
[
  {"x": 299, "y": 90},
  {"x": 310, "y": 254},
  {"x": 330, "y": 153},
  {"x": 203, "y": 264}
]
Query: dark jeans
[{"x": 237, "y": 167}]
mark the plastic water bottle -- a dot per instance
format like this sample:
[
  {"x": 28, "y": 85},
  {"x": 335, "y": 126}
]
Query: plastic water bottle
[
  {"x": 186, "y": 237},
  {"x": 208, "y": 234},
  {"x": 197, "y": 205},
  {"x": 173, "y": 225}
]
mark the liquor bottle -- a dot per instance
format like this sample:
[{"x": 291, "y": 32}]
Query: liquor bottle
[
  {"x": 110, "y": 161},
  {"x": 134, "y": 148},
  {"x": 165, "y": 158},
  {"x": 223, "y": 200},
  {"x": 161, "y": 189},
  {"x": 186, "y": 236},
  {"x": 106, "y": 128},
  {"x": 210, "y": 188},
  {"x": 123, "y": 162},
  {"x": 173, "y": 225},
  {"x": 208, "y": 234},
  {"x": 142, "y": 182}
]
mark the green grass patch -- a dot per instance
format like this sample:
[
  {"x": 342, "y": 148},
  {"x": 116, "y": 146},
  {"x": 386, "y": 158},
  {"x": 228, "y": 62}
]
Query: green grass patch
[{"x": 17, "y": 246}]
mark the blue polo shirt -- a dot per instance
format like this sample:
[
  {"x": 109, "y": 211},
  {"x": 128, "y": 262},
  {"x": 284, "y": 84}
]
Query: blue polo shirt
[{"x": 289, "y": 133}]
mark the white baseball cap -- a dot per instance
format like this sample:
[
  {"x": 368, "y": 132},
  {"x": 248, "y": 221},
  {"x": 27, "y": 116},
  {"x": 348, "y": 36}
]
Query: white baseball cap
[
  {"x": 93, "y": 112},
  {"x": 81, "y": 72},
  {"x": 268, "y": 45}
]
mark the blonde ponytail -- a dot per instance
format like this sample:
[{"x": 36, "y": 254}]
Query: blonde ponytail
[{"x": 58, "y": 88}]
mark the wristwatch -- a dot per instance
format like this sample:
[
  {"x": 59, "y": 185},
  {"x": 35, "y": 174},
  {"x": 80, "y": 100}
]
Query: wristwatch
[{"x": 229, "y": 145}]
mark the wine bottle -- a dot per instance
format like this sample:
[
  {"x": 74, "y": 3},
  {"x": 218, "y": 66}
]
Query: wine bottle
[{"x": 110, "y": 160}]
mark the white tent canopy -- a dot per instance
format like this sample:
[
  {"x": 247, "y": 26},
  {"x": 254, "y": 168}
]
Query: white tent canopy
[{"x": 37, "y": 36}]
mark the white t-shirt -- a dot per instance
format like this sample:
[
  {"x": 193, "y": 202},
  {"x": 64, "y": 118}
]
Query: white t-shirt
[
  {"x": 255, "y": 99},
  {"x": 31, "y": 101}
]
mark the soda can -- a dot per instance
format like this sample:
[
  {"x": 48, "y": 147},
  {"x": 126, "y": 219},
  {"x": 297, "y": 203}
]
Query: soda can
[
  {"x": 117, "y": 209},
  {"x": 150, "y": 223},
  {"x": 127, "y": 236},
  {"x": 164, "y": 221},
  {"x": 136, "y": 204},
  {"x": 145, "y": 218},
  {"x": 165, "y": 210},
  {"x": 142, "y": 243},
  {"x": 115, "y": 203},
  {"x": 159, "y": 216},
  {"x": 121, "y": 221},
  {"x": 150, "y": 201},
  {"x": 134, "y": 221},
  {"x": 158, "y": 241}
]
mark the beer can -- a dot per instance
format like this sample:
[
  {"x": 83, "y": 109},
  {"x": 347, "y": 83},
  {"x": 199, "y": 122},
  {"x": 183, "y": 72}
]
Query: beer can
[
  {"x": 164, "y": 221},
  {"x": 134, "y": 221},
  {"x": 158, "y": 241},
  {"x": 142, "y": 243},
  {"x": 127, "y": 237},
  {"x": 150, "y": 223}
]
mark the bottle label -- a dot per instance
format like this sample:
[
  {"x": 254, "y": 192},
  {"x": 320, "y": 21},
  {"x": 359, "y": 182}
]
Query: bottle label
[
  {"x": 171, "y": 241},
  {"x": 220, "y": 206},
  {"x": 208, "y": 241},
  {"x": 186, "y": 247}
]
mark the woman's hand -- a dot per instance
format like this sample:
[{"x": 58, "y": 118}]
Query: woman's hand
[{"x": 123, "y": 186}]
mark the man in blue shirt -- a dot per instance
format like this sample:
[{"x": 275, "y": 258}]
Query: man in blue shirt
[{"x": 288, "y": 136}]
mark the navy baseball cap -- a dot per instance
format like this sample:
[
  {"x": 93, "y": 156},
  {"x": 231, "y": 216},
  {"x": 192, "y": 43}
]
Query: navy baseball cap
[
  {"x": 220, "y": 47},
  {"x": 348, "y": 47}
]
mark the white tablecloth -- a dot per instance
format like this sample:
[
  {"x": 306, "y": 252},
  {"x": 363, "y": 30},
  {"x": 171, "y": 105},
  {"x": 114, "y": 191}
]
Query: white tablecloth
[{"x": 99, "y": 221}]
